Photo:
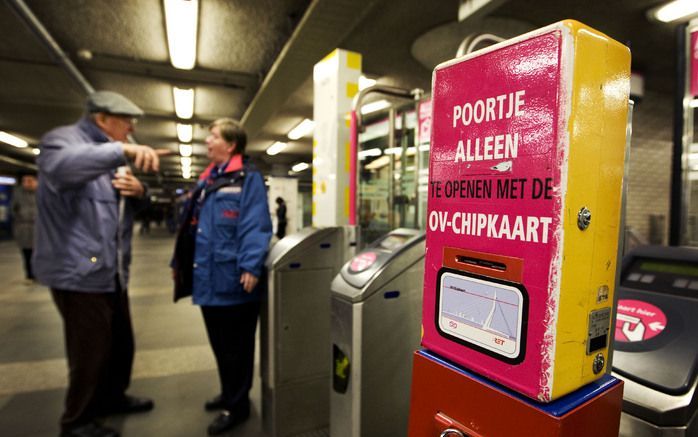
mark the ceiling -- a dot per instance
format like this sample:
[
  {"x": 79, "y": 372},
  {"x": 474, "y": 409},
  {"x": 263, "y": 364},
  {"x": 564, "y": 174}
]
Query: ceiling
[{"x": 255, "y": 58}]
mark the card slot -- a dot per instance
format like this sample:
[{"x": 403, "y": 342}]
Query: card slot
[{"x": 481, "y": 263}]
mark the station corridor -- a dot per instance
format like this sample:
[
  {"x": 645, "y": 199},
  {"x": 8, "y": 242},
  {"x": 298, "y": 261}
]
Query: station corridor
[{"x": 173, "y": 365}]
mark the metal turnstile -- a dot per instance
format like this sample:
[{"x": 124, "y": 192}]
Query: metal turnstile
[
  {"x": 376, "y": 319},
  {"x": 295, "y": 326},
  {"x": 656, "y": 341}
]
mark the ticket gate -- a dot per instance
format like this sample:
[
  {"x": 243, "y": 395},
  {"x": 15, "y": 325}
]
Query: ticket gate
[
  {"x": 376, "y": 314},
  {"x": 294, "y": 329},
  {"x": 656, "y": 346}
]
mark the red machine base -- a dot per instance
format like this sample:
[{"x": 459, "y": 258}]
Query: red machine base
[{"x": 445, "y": 396}]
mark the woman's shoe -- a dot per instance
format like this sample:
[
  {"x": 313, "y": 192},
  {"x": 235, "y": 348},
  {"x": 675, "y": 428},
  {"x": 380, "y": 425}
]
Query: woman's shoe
[{"x": 226, "y": 421}]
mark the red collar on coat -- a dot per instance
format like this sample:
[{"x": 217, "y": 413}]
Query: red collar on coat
[{"x": 234, "y": 164}]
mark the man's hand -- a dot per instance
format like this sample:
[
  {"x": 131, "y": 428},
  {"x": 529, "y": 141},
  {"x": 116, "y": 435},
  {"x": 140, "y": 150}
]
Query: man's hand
[
  {"x": 144, "y": 157},
  {"x": 128, "y": 185},
  {"x": 248, "y": 281}
]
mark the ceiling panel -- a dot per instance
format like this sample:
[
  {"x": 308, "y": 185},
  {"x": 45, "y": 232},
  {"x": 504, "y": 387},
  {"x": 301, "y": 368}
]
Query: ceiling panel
[
  {"x": 213, "y": 102},
  {"x": 245, "y": 36},
  {"x": 128, "y": 28},
  {"x": 21, "y": 81},
  {"x": 18, "y": 42}
]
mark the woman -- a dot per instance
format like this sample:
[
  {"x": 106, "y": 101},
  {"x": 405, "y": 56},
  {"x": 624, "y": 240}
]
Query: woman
[{"x": 227, "y": 225}]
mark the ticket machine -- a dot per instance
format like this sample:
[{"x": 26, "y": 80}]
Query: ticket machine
[
  {"x": 656, "y": 341},
  {"x": 376, "y": 312},
  {"x": 523, "y": 220},
  {"x": 524, "y": 212}
]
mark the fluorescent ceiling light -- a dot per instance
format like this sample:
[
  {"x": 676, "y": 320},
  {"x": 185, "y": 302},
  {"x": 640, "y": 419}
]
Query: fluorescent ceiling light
[
  {"x": 370, "y": 152},
  {"x": 36, "y": 151},
  {"x": 300, "y": 167},
  {"x": 393, "y": 151},
  {"x": 12, "y": 140},
  {"x": 374, "y": 106},
  {"x": 183, "y": 102},
  {"x": 185, "y": 132},
  {"x": 694, "y": 103},
  {"x": 185, "y": 150},
  {"x": 378, "y": 163},
  {"x": 186, "y": 162},
  {"x": 675, "y": 10},
  {"x": 276, "y": 148},
  {"x": 7, "y": 180},
  {"x": 365, "y": 82},
  {"x": 181, "y": 20},
  {"x": 304, "y": 128}
]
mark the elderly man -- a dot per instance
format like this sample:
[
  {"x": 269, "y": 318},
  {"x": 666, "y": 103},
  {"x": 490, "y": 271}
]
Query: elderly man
[{"x": 83, "y": 250}]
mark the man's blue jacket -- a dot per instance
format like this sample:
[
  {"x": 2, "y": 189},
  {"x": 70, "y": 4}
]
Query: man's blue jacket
[{"x": 77, "y": 224}]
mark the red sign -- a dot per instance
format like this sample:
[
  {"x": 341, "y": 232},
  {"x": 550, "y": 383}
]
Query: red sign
[
  {"x": 424, "y": 118},
  {"x": 694, "y": 63},
  {"x": 362, "y": 261},
  {"x": 637, "y": 320}
]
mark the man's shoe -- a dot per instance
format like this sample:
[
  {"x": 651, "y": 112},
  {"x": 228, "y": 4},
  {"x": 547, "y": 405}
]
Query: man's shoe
[
  {"x": 214, "y": 404},
  {"x": 226, "y": 421},
  {"x": 90, "y": 430},
  {"x": 130, "y": 404}
]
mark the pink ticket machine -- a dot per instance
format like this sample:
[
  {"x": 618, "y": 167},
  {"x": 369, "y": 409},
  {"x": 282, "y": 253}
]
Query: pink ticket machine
[{"x": 525, "y": 182}]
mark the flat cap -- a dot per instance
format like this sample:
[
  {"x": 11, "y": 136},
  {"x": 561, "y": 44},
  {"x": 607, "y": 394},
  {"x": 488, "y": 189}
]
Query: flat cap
[{"x": 112, "y": 103}]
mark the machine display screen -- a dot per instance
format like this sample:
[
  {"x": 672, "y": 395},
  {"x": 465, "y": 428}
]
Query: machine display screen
[
  {"x": 483, "y": 313},
  {"x": 393, "y": 241},
  {"x": 683, "y": 269}
]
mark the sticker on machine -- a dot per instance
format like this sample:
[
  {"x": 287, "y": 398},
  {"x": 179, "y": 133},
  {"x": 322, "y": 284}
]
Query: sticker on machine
[
  {"x": 486, "y": 314},
  {"x": 637, "y": 320}
]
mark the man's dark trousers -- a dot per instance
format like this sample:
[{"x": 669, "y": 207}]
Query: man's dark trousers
[{"x": 99, "y": 346}]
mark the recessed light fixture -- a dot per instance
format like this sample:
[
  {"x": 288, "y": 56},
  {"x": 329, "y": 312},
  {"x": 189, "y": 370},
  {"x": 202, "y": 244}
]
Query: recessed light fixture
[
  {"x": 374, "y": 106},
  {"x": 183, "y": 102},
  {"x": 370, "y": 152},
  {"x": 276, "y": 148},
  {"x": 186, "y": 162},
  {"x": 304, "y": 128},
  {"x": 186, "y": 150},
  {"x": 185, "y": 132},
  {"x": 181, "y": 22},
  {"x": 300, "y": 167},
  {"x": 674, "y": 11},
  {"x": 12, "y": 140}
]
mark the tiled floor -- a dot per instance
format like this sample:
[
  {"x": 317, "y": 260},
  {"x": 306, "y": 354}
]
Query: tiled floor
[{"x": 173, "y": 364}]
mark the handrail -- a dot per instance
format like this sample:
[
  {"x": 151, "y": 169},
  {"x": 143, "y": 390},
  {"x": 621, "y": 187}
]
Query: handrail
[{"x": 469, "y": 43}]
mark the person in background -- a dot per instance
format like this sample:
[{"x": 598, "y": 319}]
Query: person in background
[
  {"x": 280, "y": 218},
  {"x": 23, "y": 216},
  {"x": 219, "y": 259},
  {"x": 85, "y": 200}
]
